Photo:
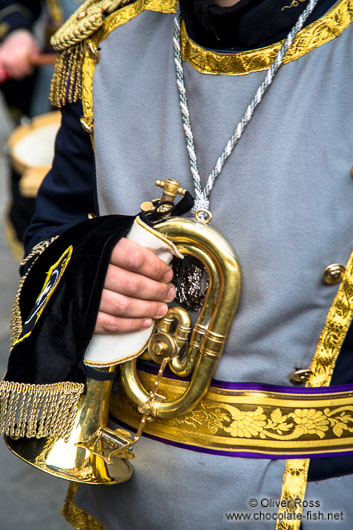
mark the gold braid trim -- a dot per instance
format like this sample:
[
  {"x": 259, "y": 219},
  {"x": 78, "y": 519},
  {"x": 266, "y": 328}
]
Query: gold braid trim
[
  {"x": 334, "y": 332},
  {"x": 77, "y": 517},
  {"x": 293, "y": 490},
  {"x": 16, "y": 323},
  {"x": 38, "y": 411},
  {"x": 329, "y": 345}
]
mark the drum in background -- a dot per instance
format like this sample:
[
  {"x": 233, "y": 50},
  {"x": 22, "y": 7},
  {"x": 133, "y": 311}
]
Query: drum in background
[{"x": 31, "y": 150}]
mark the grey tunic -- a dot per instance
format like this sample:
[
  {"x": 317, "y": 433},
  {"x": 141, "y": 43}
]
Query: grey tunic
[{"x": 282, "y": 200}]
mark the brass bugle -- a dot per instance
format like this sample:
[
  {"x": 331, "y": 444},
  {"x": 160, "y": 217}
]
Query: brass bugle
[{"x": 210, "y": 333}]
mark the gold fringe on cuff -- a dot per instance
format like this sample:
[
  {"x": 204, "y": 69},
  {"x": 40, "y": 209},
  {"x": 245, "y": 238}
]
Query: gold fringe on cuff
[
  {"x": 66, "y": 85},
  {"x": 77, "y": 517},
  {"x": 37, "y": 411}
]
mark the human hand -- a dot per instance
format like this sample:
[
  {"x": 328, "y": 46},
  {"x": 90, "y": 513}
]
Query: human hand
[
  {"x": 15, "y": 54},
  {"x": 135, "y": 291}
]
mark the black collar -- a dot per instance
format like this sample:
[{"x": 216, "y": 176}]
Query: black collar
[{"x": 247, "y": 25}]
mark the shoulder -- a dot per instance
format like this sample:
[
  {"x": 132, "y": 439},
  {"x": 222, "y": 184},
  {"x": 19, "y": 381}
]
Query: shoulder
[
  {"x": 77, "y": 42},
  {"x": 94, "y": 15},
  {"x": 70, "y": 43}
]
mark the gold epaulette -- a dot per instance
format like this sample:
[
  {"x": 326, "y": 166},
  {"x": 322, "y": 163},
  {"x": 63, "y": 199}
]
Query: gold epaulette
[{"x": 69, "y": 42}]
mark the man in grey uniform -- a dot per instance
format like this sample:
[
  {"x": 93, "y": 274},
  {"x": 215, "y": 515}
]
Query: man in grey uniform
[{"x": 281, "y": 200}]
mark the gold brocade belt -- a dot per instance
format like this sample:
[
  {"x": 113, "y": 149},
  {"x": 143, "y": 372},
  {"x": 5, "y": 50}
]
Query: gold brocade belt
[{"x": 251, "y": 420}]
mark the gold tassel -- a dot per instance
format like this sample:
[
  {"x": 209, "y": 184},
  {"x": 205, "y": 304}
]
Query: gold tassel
[
  {"x": 37, "y": 411},
  {"x": 69, "y": 41},
  {"x": 66, "y": 85}
]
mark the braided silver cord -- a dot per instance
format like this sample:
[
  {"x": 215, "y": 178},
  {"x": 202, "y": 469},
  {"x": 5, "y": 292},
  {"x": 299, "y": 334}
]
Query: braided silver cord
[
  {"x": 202, "y": 196},
  {"x": 184, "y": 107}
]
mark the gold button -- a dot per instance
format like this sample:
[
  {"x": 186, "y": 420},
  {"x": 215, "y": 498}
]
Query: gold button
[
  {"x": 87, "y": 127},
  {"x": 333, "y": 274},
  {"x": 82, "y": 15},
  {"x": 300, "y": 376}
]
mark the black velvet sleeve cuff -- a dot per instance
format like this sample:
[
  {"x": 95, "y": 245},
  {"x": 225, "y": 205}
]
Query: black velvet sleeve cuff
[{"x": 59, "y": 302}]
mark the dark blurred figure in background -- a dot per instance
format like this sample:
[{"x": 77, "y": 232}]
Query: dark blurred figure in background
[
  {"x": 26, "y": 60},
  {"x": 18, "y": 45}
]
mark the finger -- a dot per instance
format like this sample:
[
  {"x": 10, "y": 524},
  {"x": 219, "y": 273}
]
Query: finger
[
  {"x": 123, "y": 306},
  {"x": 135, "y": 258},
  {"x": 111, "y": 324},
  {"x": 137, "y": 286}
]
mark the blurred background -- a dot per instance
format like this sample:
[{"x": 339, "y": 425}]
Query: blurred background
[{"x": 29, "y": 499}]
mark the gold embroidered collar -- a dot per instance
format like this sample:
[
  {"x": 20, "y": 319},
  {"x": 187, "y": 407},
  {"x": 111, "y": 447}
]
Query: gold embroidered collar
[
  {"x": 316, "y": 34},
  {"x": 331, "y": 25}
]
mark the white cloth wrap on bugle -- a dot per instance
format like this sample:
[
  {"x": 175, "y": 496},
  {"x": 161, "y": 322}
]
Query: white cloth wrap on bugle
[{"x": 113, "y": 348}]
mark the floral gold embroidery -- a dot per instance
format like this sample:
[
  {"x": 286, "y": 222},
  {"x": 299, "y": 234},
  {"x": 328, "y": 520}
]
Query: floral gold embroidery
[
  {"x": 274, "y": 424},
  {"x": 246, "y": 424},
  {"x": 290, "y": 427},
  {"x": 310, "y": 421}
]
